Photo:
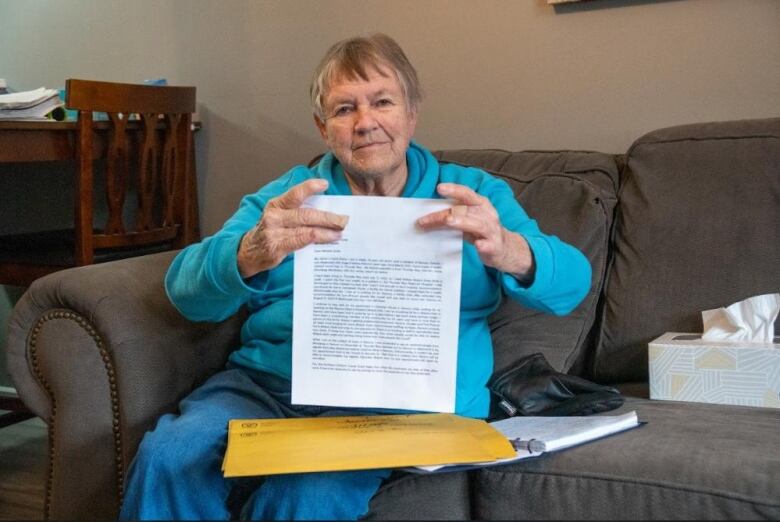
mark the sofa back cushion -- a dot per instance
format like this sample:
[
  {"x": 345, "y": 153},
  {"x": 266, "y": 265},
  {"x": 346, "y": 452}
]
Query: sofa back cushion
[
  {"x": 571, "y": 195},
  {"x": 697, "y": 227}
]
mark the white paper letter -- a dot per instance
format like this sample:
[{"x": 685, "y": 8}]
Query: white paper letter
[{"x": 375, "y": 315}]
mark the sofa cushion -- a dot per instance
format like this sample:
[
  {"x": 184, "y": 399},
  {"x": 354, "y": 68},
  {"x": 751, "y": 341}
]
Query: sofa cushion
[
  {"x": 690, "y": 461},
  {"x": 571, "y": 195},
  {"x": 407, "y": 496},
  {"x": 697, "y": 227}
]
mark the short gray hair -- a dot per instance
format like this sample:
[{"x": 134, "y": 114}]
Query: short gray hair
[{"x": 350, "y": 57}]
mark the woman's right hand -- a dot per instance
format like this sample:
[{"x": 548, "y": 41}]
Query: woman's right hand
[{"x": 285, "y": 227}]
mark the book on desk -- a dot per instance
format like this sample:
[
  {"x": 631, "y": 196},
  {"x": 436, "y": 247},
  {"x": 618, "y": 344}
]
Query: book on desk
[{"x": 34, "y": 105}]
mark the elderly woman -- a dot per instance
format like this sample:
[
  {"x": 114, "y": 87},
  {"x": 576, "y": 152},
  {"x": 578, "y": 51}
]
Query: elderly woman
[{"x": 365, "y": 95}]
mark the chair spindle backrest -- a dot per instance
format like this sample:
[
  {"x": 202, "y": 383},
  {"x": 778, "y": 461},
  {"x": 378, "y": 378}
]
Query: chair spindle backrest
[{"x": 155, "y": 163}]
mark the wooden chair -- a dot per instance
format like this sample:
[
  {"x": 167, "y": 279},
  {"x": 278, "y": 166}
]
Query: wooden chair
[{"x": 142, "y": 152}]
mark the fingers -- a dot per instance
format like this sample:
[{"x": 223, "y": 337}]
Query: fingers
[
  {"x": 284, "y": 210},
  {"x": 294, "y": 239},
  {"x": 474, "y": 224},
  {"x": 475, "y": 216},
  {"x": 470, "y": 205},
  {"x": 295, "y": 197},
  {"x": 436, "y": 219},
  {"x": 304, "y": 217},
  {"x": 285, "y": 227},
  {"x": 461, "y": 194},
  {"x": 459, "y": 211},
  {"x": 263, "y": 248},
  {"x": 443, "y": 218}
]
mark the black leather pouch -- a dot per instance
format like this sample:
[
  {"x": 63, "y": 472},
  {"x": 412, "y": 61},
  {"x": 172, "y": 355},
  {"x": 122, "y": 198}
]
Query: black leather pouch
[{"x": 533, "y": 387}]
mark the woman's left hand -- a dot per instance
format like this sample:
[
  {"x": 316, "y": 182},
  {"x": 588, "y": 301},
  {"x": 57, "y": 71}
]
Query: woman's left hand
[{"x": 476, "y": 217}]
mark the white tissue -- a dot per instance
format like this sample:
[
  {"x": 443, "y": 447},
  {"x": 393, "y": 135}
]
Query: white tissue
[{"x": 751, "y": 320}]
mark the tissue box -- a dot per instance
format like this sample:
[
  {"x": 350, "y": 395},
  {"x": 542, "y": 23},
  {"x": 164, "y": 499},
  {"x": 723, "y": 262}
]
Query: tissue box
[{"x": 683, "y": 367}]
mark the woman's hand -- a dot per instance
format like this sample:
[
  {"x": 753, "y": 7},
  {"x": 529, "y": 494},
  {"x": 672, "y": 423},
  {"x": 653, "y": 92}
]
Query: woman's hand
[
  {"x": 285, "y": 227},
  {"x": 476, "y": 217}
]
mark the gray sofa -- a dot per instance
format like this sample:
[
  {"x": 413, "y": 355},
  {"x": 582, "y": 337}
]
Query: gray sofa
[{"x": 687, "y": 219}]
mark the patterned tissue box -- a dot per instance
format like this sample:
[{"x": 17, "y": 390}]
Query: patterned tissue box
[{"x": 683, "y": 367}]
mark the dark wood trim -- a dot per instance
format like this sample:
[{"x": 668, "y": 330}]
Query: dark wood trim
[
  {"x": 123, "y": 97},
  {"x": 83, "y": 201},
  {"x": 157, "y": 235},
  {"x": 18, "y": 274},
  {"x": 42, "y": 141}
]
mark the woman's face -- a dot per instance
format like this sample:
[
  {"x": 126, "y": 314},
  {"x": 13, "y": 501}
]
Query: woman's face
[{"x": 368, "y": 125}]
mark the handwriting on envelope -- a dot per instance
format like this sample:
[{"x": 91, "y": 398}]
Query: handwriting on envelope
[{"x": 275, "y": 446}]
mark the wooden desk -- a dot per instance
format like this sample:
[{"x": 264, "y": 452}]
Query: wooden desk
[
  {"x": 41, "y": 141},
  {"x": 24, "y": 141}
]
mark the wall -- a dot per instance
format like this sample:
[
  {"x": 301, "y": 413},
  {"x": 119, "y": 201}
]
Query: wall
[
  {"x": 508, "y": 74},
  {"x": 511, "y": 74}
]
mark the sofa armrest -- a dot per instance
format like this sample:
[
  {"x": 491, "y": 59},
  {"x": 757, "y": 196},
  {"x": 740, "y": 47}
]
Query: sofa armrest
[{"x": 100, "y": 353}]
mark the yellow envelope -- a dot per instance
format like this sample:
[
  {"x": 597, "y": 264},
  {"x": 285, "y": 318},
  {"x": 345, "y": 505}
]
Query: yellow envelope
[{"x": 275, "y": 446}]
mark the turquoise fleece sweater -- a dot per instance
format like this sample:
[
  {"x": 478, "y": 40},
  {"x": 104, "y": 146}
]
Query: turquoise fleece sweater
[{"x": 204, "y": 283}]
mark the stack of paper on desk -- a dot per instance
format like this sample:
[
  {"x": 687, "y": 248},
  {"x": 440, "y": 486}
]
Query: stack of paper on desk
[
  {"x": 532, "y": 436},
  {"x": 275, "y": 446},
  {"x": 29, "y": 105}
]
